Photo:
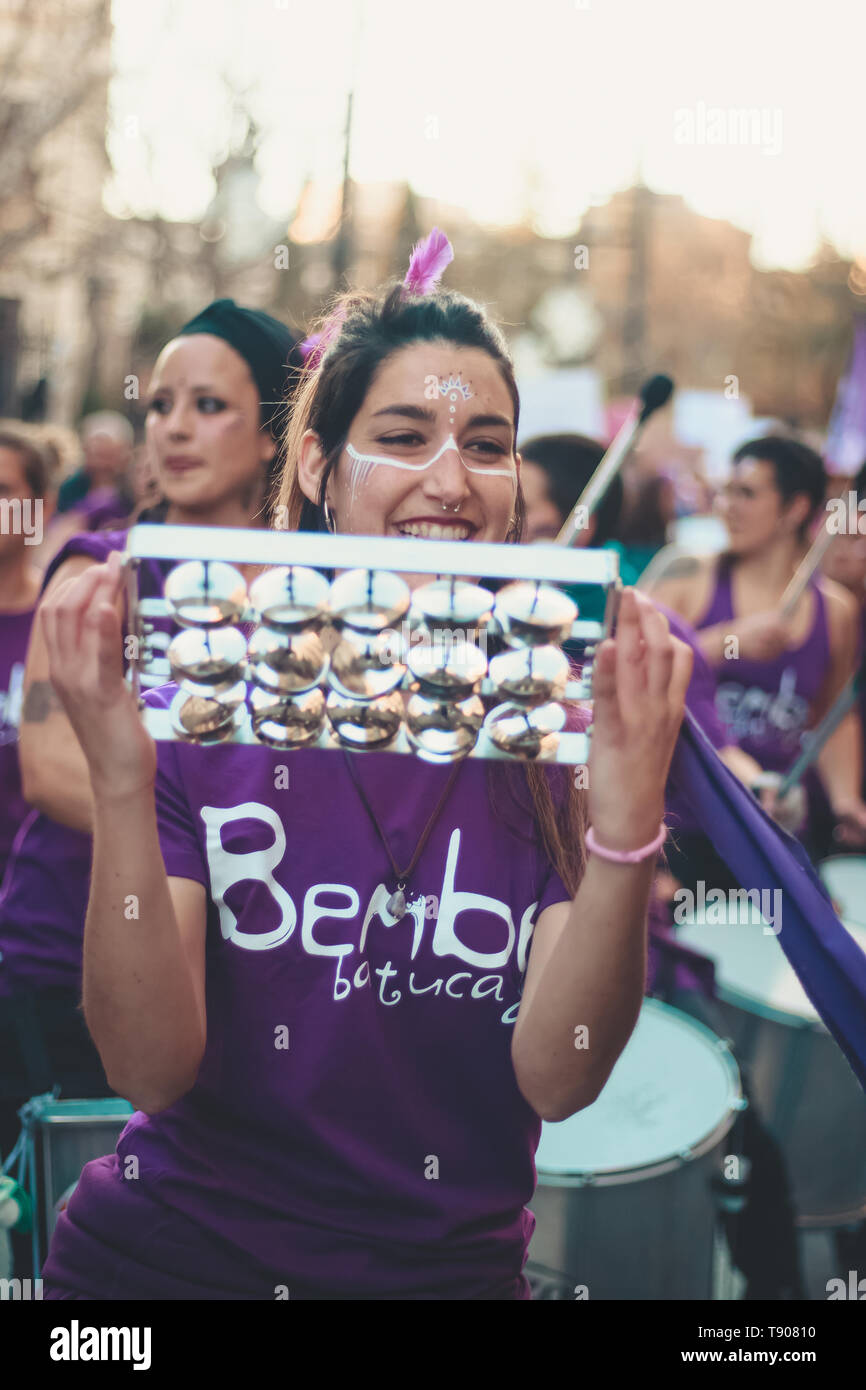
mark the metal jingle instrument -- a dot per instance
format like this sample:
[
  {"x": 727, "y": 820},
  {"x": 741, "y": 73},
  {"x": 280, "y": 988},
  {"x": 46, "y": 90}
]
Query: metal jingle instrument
[
  {"x": 365, "y": 723},
  {"x": 528, "y": 731},
  {"x": 287, "y": 723},
  {"x": 532, "y": 675},
  {"x": 363, "y": 665},
  {"x": 286, "y": 663},
  {"x": 443, "y": 730},
  {"x": 333, "y": 663},
  {"x": 448, "y": 669},
  {"x": 203, "y": 716},
  {"x": 205, "y": 593},
  {"x": 290, "y": 597},
  {"x": 208, "y": 656},
  {"x": 369, "y": 599},
  {"x": 534, "y": 614}
]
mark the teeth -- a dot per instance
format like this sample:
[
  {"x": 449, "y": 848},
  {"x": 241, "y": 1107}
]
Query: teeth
[{"x": 431, "y": 530}]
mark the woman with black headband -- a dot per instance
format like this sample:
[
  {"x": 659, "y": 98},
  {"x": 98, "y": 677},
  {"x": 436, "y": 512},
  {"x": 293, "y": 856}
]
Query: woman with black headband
[
  {"x": 212, "y": 433},
  {"x": 397, "y": 955}
]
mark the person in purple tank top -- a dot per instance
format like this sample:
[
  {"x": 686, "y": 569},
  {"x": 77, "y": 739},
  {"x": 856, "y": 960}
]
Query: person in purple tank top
[
  {"x": 775, "y": 676},
  {"x": 214, "y": 400},
  {"x": 845, "y": 564},
  {"x": 340, "y": 1090},
  {"x": 26, "y": 499}
]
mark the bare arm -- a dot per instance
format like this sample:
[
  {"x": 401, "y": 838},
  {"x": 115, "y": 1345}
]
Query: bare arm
[
  {"x": 586, "y": 970},
  {"x": 144, "y": 936},
  {"x": 54, "y": 771},
  {"x": 144, "y": 992},
  {"x": 588, "y": 958},
  {"x": 678, "y": 580}
]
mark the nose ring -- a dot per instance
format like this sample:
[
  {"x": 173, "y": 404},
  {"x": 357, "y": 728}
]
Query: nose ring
[{"x": 446, "y": 508}]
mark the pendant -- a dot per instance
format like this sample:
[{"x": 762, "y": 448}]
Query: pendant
[{"x": 396, "y": 904}]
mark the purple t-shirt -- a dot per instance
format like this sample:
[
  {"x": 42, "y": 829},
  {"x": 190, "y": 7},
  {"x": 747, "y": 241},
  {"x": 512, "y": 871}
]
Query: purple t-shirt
[
  {"x": 356, "y": 1128},
  {"x": 43, "y": 899},
  {"x": 14, "y": 636}
]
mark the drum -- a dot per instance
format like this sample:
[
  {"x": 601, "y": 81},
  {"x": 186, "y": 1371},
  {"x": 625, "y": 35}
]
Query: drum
[
  {"x": 800, "y": 1081},
  {"x": 63, "y": 1136},
  {"x": 625, "y": 1203},
  {"x": 844, "y": 877}
]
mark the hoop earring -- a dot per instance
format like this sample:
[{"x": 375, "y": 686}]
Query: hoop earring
[{"x": 329, "y": 520}]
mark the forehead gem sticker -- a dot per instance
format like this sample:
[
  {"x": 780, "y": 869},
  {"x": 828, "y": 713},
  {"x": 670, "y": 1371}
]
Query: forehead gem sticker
[{"x": 454, "y": 389}]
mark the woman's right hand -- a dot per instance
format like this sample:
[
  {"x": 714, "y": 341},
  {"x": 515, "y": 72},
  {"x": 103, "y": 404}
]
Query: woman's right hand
[
  {"x": 84, "y": 640},
  {"x": 762, "y": 636}
]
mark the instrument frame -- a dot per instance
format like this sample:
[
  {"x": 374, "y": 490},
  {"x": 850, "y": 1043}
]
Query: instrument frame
[{"x": 551, "y": 563}]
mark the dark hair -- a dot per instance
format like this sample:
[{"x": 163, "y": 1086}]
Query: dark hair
[
  {"x": 797, "y": 469},
  {"x": 648, "y": 511},
  {"x": 36, "y": 467},
  {"x": 569, "y": 460},
  {"x": 374, "y": 327}
]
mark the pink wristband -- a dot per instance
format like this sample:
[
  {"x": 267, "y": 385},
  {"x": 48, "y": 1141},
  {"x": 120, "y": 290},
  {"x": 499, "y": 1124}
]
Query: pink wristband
[{"x": 629, "y": 856}]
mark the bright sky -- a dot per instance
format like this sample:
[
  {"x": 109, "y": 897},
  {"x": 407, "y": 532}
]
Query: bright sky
[{"x": 503, "y": 105}]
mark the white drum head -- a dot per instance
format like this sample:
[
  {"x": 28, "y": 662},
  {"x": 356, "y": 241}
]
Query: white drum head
[
  {"x": 844, "y": 877},
  {"x": 671, "y": 1089},
  {"x": 752, "y": 970}
]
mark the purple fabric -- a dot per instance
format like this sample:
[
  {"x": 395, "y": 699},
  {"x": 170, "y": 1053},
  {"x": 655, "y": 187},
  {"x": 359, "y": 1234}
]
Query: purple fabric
[
  {"x": 700, "y": 699},
  {"x": 14, "y": 636},
  {"x": 830, "y": 965},
  {"x": 43, "y": 899},
  {"x": 101, "y": 506},
  {"x": 846, "y": 438},
  {"x": 385, "y": 1149},
  {"x": 766, "y": 709}
]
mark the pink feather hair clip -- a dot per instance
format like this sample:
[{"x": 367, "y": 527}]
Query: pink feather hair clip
[
  {"x": 313, "y": 349},
  {"x": 426, "y": 268},
  {"x": 427, "y": 263}
]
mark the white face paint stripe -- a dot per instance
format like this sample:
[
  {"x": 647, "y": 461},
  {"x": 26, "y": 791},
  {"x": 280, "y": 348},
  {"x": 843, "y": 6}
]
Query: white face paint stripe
[{"x": 363, "y": 464}]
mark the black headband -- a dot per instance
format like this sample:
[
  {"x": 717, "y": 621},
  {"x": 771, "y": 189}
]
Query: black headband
[{"x": 264, "y": 343}]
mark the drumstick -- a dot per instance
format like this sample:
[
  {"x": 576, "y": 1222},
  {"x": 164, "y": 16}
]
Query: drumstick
[
  {"x": 654, "y": 394},
  {"x": 844, "y": 701},
  {"x": 806, "y": 568}
]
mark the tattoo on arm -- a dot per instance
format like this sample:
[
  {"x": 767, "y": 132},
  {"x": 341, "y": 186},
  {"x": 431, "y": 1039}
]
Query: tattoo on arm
[
  {"x": 681, "y": 567},
  {"x": 665, "y": 567},
  {"x": 40, "y": 701}
]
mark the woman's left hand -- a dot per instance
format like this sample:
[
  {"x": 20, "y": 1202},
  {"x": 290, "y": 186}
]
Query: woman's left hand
[{"x": 639, "y": 681}]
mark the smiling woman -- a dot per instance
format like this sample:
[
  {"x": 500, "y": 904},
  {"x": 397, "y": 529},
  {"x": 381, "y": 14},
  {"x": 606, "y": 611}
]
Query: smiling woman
[{"x": 350, "y": 999}]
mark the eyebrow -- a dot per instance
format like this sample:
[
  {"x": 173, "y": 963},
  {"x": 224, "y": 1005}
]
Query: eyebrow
[
  {"x": 157, "y": 389},
  {"x": 419, "y": 412}
]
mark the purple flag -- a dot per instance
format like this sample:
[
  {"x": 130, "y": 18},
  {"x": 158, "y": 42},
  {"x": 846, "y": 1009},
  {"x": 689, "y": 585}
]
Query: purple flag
[
  {"x": 846, "y": 438},
  {"x": 829, "y": 963}
]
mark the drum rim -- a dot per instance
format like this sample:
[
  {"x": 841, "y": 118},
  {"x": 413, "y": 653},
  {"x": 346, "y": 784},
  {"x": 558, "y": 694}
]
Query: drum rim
[
  {"x": 753, "y": 1003},
  {"x": 836, "y": 859},
  {"x": 658, "y": 1167}
]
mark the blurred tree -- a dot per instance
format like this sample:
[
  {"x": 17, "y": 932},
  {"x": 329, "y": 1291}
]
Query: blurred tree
[{"x": 43, "y": 81}]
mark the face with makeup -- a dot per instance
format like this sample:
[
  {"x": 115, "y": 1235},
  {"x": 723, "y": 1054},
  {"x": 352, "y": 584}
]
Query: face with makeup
[
  {"x": 203, "y": 433},
  {"x": 420, "y": 460}
]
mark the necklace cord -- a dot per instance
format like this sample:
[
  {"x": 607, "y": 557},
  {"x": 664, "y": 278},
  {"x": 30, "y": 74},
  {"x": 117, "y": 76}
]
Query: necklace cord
[{"x": 404, "y": 875}]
